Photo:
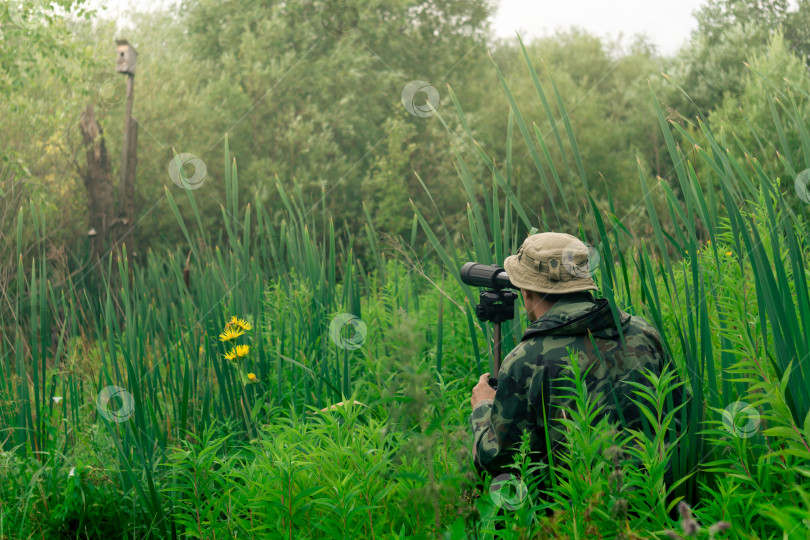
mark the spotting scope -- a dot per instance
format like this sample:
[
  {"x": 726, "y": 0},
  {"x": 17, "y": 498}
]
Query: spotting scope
[{"x": 483, "y": 275}]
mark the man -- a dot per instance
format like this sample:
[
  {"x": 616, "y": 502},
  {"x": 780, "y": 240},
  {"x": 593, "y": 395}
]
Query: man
[{"x": 552, "y": 271}]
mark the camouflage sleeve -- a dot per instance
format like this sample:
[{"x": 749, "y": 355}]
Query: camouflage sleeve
[{"x": 498, "y": 424}]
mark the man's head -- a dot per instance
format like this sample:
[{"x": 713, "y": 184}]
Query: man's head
[{"x": 547, "y": 266}]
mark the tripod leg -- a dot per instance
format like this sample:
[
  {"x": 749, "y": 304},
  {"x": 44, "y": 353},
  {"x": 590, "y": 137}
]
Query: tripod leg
[{"x": 496, "y": 361}]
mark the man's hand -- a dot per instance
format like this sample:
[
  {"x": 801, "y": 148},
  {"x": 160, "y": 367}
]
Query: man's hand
[{"x": 482, "y": 390}]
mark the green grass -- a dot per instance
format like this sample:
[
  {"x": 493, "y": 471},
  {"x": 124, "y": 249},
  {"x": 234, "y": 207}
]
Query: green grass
[{"x": 723, "y": 276}]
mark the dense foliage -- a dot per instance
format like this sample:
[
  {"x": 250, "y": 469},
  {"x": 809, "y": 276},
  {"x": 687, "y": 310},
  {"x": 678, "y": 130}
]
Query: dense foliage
[
  {"x": 291, "y": 353},
  {"x": 311, "y": 92}
]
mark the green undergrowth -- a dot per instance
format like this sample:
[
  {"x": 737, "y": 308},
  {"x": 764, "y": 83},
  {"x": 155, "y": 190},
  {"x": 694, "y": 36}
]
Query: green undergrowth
[
  {"x": 394, "y": 461},
  {"x": 219, "y": 441}
]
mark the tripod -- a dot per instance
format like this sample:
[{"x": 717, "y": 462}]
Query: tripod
[{"x": 496, "y": 306}]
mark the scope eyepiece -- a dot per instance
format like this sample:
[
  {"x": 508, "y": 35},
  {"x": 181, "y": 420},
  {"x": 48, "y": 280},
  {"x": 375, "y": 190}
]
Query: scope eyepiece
[{"x": 482, "y": 275}]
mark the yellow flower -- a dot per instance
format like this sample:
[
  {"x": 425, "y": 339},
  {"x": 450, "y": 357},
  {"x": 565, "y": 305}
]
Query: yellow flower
[
  {"x": 231, "y": 355},
  {"x": 252, "y": 377},
  {"x": 242, "y": 350},
  {"x": 728, "y": 253},
  {"x": 236, "y": 322},
  {"x": 230, "y": 334},
  {"x": 243, "y": 324}
]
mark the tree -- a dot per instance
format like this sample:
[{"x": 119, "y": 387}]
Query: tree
[
  {"x": 717, "y": 17},
  {"x": 730, "y": 33},
  {"x": 748, "y": 120},
  {"x": 42, "y": 94},
  {"x": 313, "y": 90},
  {"x": 606, "y": 92}
]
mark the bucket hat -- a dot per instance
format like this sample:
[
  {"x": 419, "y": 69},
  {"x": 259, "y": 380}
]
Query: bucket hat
[{"x": 551, "y": 263}]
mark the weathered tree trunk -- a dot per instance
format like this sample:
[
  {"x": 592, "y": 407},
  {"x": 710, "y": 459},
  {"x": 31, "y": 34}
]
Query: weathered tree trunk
[{"x": 98, "y": 181}]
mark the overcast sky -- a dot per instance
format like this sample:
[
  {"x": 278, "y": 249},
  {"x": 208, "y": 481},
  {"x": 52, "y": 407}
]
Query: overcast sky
[{"x": 666, "y": 22}]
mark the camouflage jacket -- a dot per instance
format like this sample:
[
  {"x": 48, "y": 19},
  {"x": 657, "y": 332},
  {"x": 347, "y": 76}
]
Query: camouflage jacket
[{"x": 528, "y": 390}]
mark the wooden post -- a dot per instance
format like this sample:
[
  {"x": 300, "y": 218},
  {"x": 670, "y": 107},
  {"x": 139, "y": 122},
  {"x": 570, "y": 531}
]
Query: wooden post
[{"x": 125, "y": 63}]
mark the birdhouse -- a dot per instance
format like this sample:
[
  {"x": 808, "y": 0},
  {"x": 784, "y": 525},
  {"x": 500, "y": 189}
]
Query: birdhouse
[{"x": 125, "y": 61}]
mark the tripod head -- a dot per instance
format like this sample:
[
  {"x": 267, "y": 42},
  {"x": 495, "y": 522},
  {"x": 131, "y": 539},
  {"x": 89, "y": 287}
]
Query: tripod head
[{"x": 496, "y": 305}]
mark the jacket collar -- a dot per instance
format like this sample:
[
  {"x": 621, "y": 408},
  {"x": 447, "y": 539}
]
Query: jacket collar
[{"x": 574, "y": 314}]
